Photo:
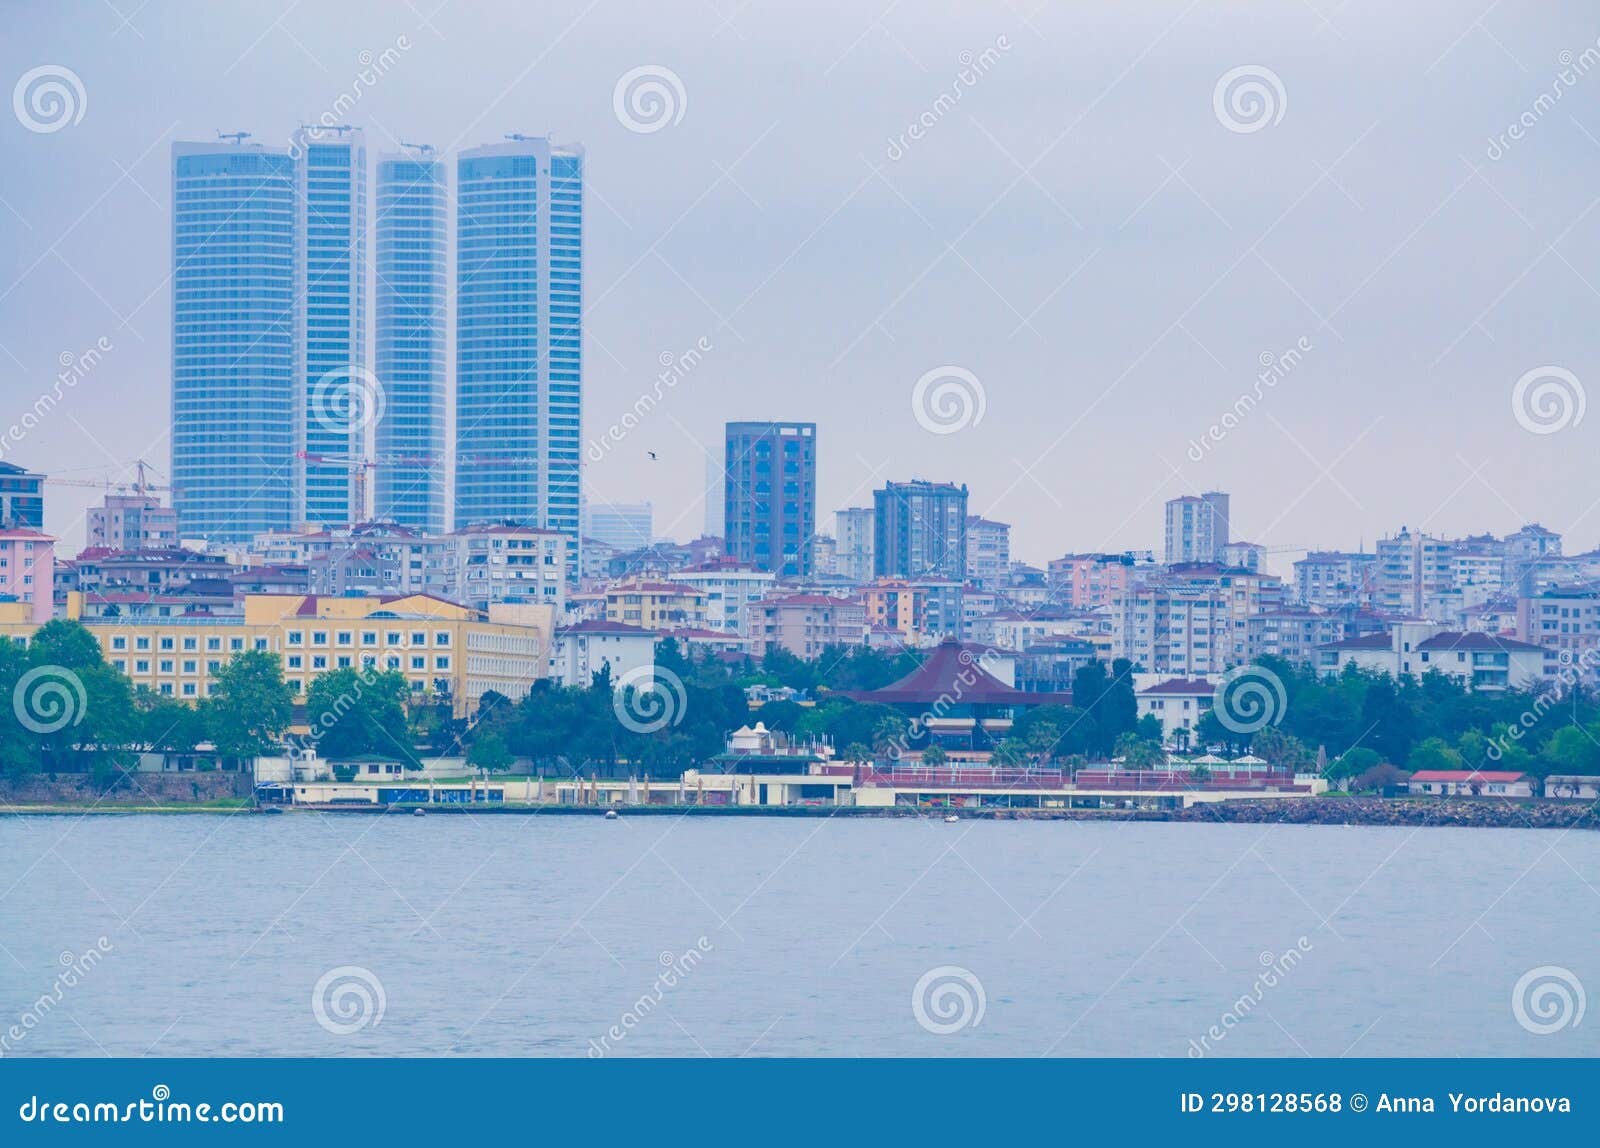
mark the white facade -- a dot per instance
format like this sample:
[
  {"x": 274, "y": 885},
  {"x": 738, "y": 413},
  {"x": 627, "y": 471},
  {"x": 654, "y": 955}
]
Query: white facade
[
  {"x": 578, "y": 652},
  {"x": 728, "y": 594}
]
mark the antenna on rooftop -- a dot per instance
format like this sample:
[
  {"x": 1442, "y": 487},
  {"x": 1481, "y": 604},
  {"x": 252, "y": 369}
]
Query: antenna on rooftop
[
  {"x": 236, "y": 137},
  {"x": 420, "y": 148}
]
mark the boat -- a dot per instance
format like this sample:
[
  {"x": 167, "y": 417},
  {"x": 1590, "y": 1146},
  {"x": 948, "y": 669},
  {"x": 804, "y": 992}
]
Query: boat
[
  {"x": 611, "y": 815},
  {"x": 951, "y": 818},
  {"x": 419, "y": 813}
]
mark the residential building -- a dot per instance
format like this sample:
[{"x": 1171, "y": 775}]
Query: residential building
[
  {"x": 1567, "y": 624},
  {"x": 21, "y": 497},
  {"x": 234, "y": 334},
  {"x": 853, "y": 529},
  {"x": 27, "y": 570},
  {"x": 770, "y": 495},
  {"x": 1197, "y": 528},
  {"x": 807, "y": 624},
  {"x": 920, "y": 531},
  {"x": 410, "y": 340},
  {"x": 1085, "y": 581},
  {"x": 1481, "y": 662},
  {"x": 1470, "y": 783},
  {"x": 824, "y": 556},
  {"x": 336, "y": 396},
  {"x": 583, "y": 649},
  {"x": 1247, "y": 556},
  {"x": 1047, "y": 666},
  {"x": 655, "y": 605},
  {"x": 728, "y": 590},
  {"x": 1175, "y": 629},
  {"x": 519, "y": 300},
  {"x": 498, "y": 562},
  {"x": 132, "y": 522},
  {"x": 1178, "y": 703},
  {"x": 988, "y": 552},
  {"x": 1335, "y": 578},
  {"x": 1410, "y": 568},
  {"x": 896, "y": 605}
]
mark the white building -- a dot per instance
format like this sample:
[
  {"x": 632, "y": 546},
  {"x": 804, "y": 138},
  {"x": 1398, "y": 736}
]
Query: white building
[
  {"x": 1178, "y": 703},
  {"x": 495, "y": 563},
  {"x": 578, "y": 651},
  {"x": 853, "y": 532},
  {"x": 1197, "y": 528},
  {"x": 1487, "y": 662},
  {"x": 988, "y": 552},
  {"x": 621, "y": 526},
  {"x": 729, "y": 591}
]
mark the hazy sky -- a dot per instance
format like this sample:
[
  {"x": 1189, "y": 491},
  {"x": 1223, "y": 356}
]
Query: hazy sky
[{"x": 1085, "y": 230}]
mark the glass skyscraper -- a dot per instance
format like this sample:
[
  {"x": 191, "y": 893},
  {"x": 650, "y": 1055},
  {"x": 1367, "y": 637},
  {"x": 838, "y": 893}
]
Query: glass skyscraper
[
  {"x": 770, "y": 495},
  {"x": 410, "y": 328},
  {"x": 519, "y": 299},
  {"x": 337, "y": 399},
  {"x": 233, "y": 339}
]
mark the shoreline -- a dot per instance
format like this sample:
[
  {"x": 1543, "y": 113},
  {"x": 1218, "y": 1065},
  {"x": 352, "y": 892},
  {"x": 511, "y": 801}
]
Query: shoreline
[{"x": 1460, "y": 812}]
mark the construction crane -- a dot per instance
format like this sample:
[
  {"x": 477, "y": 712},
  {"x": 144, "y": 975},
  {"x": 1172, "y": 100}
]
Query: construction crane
[
  {"x": 237, "y": 137},
  {"x": 357, "y": 467},
  {"x": 423, "y": 150},
  {"x": 140, "y": 485}
]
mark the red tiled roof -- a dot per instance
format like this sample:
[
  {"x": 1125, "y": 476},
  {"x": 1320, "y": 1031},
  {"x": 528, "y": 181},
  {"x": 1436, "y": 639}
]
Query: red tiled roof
[
  {"x": 1451, "y": 640},
  {"x": 1191, "y": 686},
  {"x": 597, "y": 626},
  {"x": 1467, "y": 775}
]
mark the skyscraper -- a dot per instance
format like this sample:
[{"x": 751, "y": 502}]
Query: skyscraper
[
  {"x": 337, "y": 398},
  {"x": 410, "y": 340},
  {"x": 233, "y": 339},
  {"x": 770, "y": 495},
  {"x": 519, "y": 298},
  {"x": 853, "y": 529},
  {"x": 920, "y": 530},
  {"x": 1197, "y": 528}
]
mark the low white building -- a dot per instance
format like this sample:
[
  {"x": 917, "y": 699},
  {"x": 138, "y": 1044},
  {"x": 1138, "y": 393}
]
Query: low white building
[
  {"x": 1487, "y": 662},
  {"x": 578, "y": 651},
  {"x": 1470, "y": 783},
  {"x": 1178, "y": 703},
  {"x": 1574, "y": 786}
]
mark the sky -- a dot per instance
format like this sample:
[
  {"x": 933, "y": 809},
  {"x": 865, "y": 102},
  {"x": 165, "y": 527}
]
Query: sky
[{"x": 1109, "y": 217}]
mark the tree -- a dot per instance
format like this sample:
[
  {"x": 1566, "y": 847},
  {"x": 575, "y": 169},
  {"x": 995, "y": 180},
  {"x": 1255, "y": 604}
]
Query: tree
[
  {"x": 1138, "y": 753},
  {"x": 1009, "y": 754},
  {"x": 1200, "y": 774},
  {"x": 889, "y": 735},
  {"x": 251, "y": 705},
  {"x": 1282, "y": 750},
  {"x": 488, "y": 751},
  {"x": 1352, "y": 762},
  {"x": 1379, "y": 777},
  {"x": 359, "y": 713},
  {"x": 856, "y": 751},
  {"x": 934, "y": 755},
  {"x": 1434, "y": 753},
  {"x": 1149, "y": 728}
]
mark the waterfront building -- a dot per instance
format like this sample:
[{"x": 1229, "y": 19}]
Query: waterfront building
[
  {"x": 920, "y": 530},
  {"x": 27, "y": 570},
  {"x": 234, "y": 333},
  {"x": 1470, "y": 783},
  {"x": 806, "y": 624},
  {"x": 1566, "y": 623},
  {"x": 1177, "y": 703},
  {"x": 519, "y": 302},
  {"x": 1480, "y": 662},
  {"x": 1197, "y": 528},
  {"x": 444, "y": 650},
  {"x": 21, "y": 497},
  {"x": 770, "y": 495},
  {"x": 853, "y": 531},
  {"x": 336, "y": 396},
  {"x": 410, "y": 335}
]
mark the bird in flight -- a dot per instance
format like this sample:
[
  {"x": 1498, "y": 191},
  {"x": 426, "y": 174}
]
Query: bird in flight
[{"x": 651, "y": 453}]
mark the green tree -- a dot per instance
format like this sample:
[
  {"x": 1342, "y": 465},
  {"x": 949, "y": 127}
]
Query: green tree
[
  {"x": 489, "y": 752},
  {"x": 359, "y": 713},
  {"x": 1138, "y": 753},
  {"x": 1351, "y": 763},
  {"x": 1282, "y": 750},
  {"x": 1434, "y": 753},
  {"x": 935, "y": 755},
  {"x": 1149, "y": 728},
  {"x": 251, "y": 705}
]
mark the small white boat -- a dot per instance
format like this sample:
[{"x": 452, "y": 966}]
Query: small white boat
[
  {"x": 611, "y": 815},
  {"x": 951, "y": 818},
  {"x": 419, "y": 813}
]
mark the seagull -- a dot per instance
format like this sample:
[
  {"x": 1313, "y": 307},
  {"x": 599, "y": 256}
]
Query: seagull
[{"x": 652, "y": 455}]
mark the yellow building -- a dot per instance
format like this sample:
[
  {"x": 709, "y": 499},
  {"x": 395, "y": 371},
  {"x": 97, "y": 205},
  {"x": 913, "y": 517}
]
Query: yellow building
[
  {"x": 443, "y": 649},
  {"x": 656, "y": 605},
  {"x": 896, "y": 605}
]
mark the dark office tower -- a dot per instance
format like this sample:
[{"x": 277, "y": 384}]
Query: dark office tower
[
  {"x": 410, "y": 340},
  {"x": 770, "y": 495},
  {"x": 920, "y": 530}
]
